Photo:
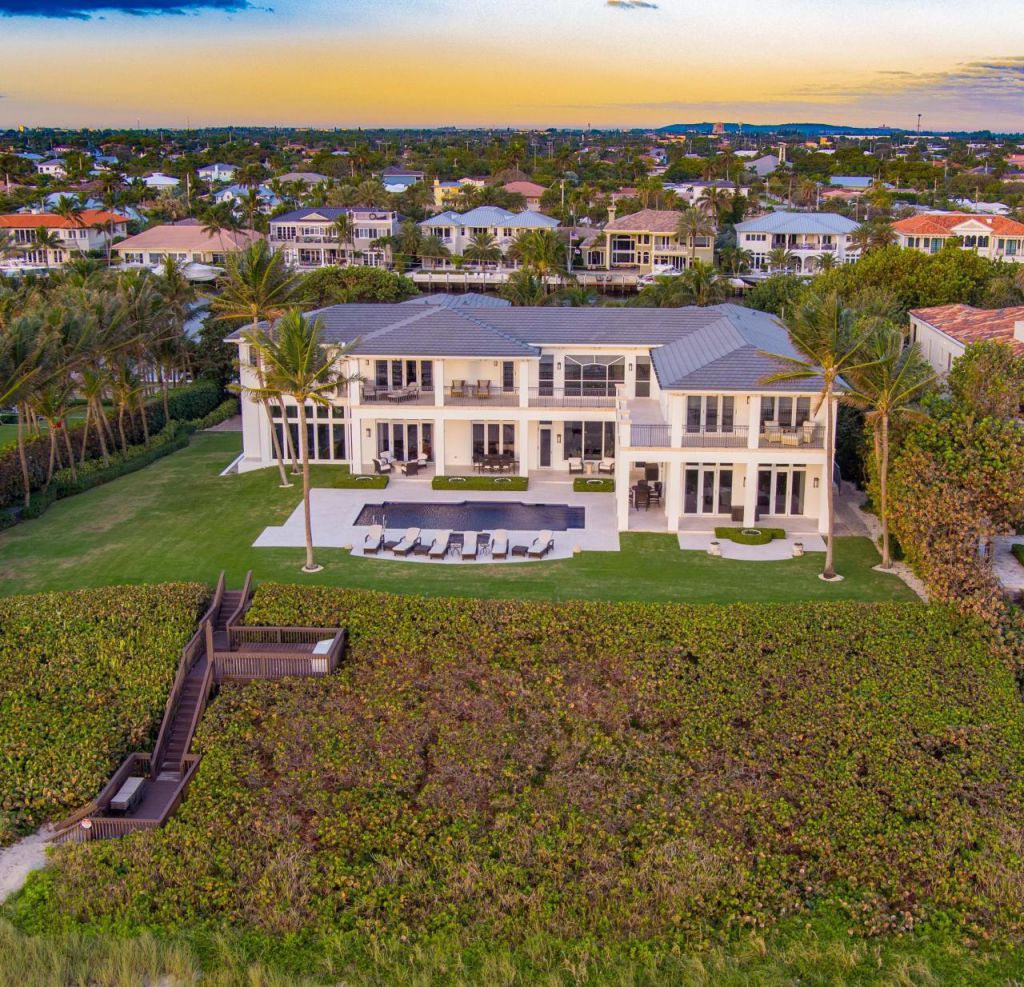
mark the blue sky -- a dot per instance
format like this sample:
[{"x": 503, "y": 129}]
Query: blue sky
[{"x": 514, "y": 62}]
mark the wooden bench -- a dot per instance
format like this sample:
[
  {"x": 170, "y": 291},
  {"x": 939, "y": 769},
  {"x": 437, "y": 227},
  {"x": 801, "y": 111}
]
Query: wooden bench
[{"x": 128, "y": 796}]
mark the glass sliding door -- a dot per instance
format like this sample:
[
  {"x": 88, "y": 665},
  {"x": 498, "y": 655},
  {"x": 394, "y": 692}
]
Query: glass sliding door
[
  {"x": 707, "y": 489},
  {"x": 780, "y": 490}
]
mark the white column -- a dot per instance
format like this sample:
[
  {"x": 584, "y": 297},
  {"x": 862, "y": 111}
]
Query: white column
[
  {"x": 355, "y": 454},
  {"x": 676, "y": 411},
  {"x": 524, "y": 383},
  {"x": 753, "y": 421},
  {"x": 673, "y": 495},
  {"x": 622, "y": 464},
  {"x": 750, "y": 496},
  {"x": 439, "y": 451},
  {"x": 823, "y": 500},
  {"x": 439, "y": 382},
  {"x": 526, "y": 438}
]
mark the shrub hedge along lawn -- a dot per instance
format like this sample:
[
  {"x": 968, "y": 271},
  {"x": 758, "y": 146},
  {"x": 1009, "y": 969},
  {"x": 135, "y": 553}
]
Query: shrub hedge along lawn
[
  {"x": 747, "y": 536},
  {"x": 83, "y": 682},
  {"x": 589, "y": 772},
  {"x": 504, "y": 483},
  {"x": 593, "y": 485}
]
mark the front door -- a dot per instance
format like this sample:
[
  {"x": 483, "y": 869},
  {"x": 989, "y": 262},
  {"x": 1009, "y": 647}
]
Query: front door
[{"x": 545, "y": 447}]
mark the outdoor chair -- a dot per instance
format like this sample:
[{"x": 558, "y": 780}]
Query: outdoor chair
[
  {"x": 773, "y": 431},
  {"x": 606, "y": 466},
  {"x": 499, "y": 544},
  {"x": 470, "y": 544},
  {"x": 381, "y": 466},
  {"x": 374, "y": 540},
  {"x": 642, "y": 498},
  {"x": 483, "y": 388},
  {"x": 542, "y": 544},
  {"x": 409, "y": 541},
  {"x": 575, "y": 464},
  {"x": 369, "y": 392},
  {"x": 807, "y": 430},
  {"x": 411, "y": 468},
  {"x": 458, "y": 389},
  {"x": 655, "y": 494},
  {"x": 439, "y": 549}
]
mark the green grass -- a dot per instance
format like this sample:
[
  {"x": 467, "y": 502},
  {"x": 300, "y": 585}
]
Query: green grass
[
  {"x": 178, "y": 519},
  {"x": 593, "y": 485}
]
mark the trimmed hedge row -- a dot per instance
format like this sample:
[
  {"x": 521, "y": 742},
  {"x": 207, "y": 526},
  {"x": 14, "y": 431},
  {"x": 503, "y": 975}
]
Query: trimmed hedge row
[
  {"x": 359, "y": 481},
  {"x": 185, "y": 404},
  {"x": 590, "y": 772},
  {"x": 94, "y": 472},
  {"x": 83, "y": 682},
  {"x": 593, "y": 485},
  {"x": 517, "y": 483}
]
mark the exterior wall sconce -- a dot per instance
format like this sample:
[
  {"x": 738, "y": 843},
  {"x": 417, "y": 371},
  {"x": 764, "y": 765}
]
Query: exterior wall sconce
[
  {"x": 368, "y": 433},
  {"x": 558, "y": 366},
  {"x": 629, "y": 367},
  {"x": 815, "y": 483},
  {"x": 558, "y": 438}
]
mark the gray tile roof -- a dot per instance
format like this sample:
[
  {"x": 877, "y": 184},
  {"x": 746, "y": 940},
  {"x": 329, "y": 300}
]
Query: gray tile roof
[
  {"x": 722, "y": 347},
  {"x": 797, "y": 223},
  {"x": 467, "y": 299}
]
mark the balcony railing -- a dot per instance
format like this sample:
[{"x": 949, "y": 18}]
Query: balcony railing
[
  {"x": 734, "y": 437},
  {"x": 556, "y": 397},
  {"x": 412, "y": 394},
  {"x": 480, "y": 393},
  {"x": 650, "y": 436}
]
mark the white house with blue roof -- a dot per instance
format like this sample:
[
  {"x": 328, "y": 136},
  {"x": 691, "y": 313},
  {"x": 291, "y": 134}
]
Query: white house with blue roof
[
  {"x": 457, "y": 231},
  {"x": 676, "y": 396},
  {"x": 806, "y": 236}
]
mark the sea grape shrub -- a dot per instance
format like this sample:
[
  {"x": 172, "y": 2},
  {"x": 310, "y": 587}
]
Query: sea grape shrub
[
  {"x": 83, "y": 681},
  {"x": 586, "y": 770}
]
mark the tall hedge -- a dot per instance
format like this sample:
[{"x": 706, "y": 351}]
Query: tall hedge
[{"x": 184, "y": 404}]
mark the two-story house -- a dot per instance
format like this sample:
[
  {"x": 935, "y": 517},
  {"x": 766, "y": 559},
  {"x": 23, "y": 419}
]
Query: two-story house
[
  {"x": 458, "y": 231},
  {"x": 943, "y": 332},
  {"x": 674, "y": 395},
  {"x": 644, "y": 242},
  {"x": 92, "y": 230},
  {"x": 994, "y": 237},
  {"x": 52, "y": 168},
  {"x": 806, "y": 236},
  {"x": 309, "y": 238},
  {"x": 219, "y": 172}
]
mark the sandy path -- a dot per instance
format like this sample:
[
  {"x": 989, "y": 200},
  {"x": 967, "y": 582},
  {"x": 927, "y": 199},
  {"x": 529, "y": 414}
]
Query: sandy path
[{"x": 18, "y": 860}]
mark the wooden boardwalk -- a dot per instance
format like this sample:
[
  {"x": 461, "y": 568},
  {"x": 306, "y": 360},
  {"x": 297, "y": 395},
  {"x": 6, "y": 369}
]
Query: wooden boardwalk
[{"x": 221, "y": 650}]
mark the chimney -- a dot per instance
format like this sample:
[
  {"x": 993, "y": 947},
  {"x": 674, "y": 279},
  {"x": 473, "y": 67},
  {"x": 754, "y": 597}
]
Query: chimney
[
  {"x": 1018, "y": 331},
  {"x": 611, "y": 212}
]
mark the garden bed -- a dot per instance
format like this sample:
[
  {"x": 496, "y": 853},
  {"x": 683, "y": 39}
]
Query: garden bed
[
  {"x": 749, "y": 536},
  {"x": 585, "y": 484},
  {"x": 517, "y": 483}
]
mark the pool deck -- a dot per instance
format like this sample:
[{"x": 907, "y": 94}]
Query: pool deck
[{"x": 334, "y": 514}]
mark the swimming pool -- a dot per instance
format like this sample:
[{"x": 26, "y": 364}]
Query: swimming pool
[{"x": 474, "y": 516}]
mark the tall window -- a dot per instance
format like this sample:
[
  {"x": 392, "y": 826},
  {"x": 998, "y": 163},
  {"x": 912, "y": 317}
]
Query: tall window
[
  {"x": 325, "y": 431},
  {"x": 710, "y": 413},
  {"x": 493, "y": 439},
  {"x": 785, "y": 411},
  {"x": 588, "y": 440},
  {"x": 594, "y": 376},
  {"x": 400, "y": 373},
  {"x": 643, "y": 376},
  {"x": 546, "y": 376}
]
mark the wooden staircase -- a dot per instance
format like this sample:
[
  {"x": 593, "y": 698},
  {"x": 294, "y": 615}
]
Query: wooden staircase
[{"x": 220, "y": 650}]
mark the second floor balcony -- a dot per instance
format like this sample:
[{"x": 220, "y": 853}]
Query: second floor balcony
[{"x": 770, "y": 435}]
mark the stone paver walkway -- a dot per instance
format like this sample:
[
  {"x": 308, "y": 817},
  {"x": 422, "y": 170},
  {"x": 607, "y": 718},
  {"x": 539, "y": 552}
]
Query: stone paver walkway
[{"x": 1008, "y": 570}]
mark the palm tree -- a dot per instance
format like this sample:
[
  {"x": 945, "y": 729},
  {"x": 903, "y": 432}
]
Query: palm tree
[
  {"x": 735, "y": 260},
  {"x": 888, "y": 385},
  {"x": 701, "y": 284},
  {"x": 257, "y": 288},
  {"x": 371, "y": 193},
  {"x": 45, "y": 240},
  {"x": 694, "y": 222},
  {"x": 69, "y": 208},
  {"x": 483, "y": 249},
  {"x": 524, "y": 288},
  {"x": 23, "y": 351},
  {"x": 825, "y": 262},
  {"x": 829, "y": 342},
  {"x": 433, "y": 248},
  {"x": 343, "y": 229},
  {"x": 296, "y": 364},
  {"x": 781, "y": 259},
  {"x": 543, "y": 251}
]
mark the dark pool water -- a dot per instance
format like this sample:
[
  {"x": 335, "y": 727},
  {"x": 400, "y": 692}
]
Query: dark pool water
[{"x": 473, "y": 516}]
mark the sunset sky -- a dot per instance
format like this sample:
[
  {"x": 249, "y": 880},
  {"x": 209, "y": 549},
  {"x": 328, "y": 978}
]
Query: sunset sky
[{"x": 511, "y": 62}]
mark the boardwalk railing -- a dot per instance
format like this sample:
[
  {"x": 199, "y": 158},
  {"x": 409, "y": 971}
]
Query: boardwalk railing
[
  {"x": 192, "y": 652},
  {"x": 277, "y": 652}
]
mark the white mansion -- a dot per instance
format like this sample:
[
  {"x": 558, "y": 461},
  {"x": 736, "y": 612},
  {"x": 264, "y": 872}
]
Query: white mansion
[{"x": 677, "y": 395}]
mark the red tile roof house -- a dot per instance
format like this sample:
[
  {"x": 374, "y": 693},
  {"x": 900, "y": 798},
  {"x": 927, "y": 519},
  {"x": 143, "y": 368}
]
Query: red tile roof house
[
  {"x": 944, "y": 332},
  {"x": 90, "y": 232},
  {"x": 184, "y": 241},
  {"x": 994, "y": 237},
  {"x": 530, "y": 191}
]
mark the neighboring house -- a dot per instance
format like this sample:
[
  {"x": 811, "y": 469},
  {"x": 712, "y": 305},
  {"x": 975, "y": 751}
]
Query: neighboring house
[
  {"x": 457, "y": 230},
  {"x": 676, "y": 395},
  {"x": 807, "y": 235},
  {"x": 764, "y": 165},
  {"x": 307, "y": 178},
  {"x": 308, "y": 239},
  {"x": 185, "y": 241},
  {"x": 530, "y": 191},
  {"x": 446, "y": 193},
  {"x": 994, "y": 237},
  {"x": 398, "y": 180},
  {"x": 642, "y": 243},
  {"x": 54, "y": 168},
  {"x": 945, "y": 331},
  {"x": 236, "y": 194},
  {"x": 160, "y": 181},
  {"x": 217, "y": 172},
  {"x": 988, "y": 208},
  {"x": 693, "y": 192},
  {"x": 91, "y": 232}
]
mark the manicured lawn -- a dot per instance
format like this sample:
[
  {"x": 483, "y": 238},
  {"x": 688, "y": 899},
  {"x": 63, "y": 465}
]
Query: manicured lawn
[{"x": 178, "y": 519}]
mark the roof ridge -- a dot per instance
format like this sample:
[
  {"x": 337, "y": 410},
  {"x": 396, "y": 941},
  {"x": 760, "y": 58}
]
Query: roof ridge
[{"x": 501, "y": 333}]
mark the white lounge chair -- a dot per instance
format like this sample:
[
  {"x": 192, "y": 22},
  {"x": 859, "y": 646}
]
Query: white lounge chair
[
  {"x": 374, "y": 541},
  {"x": 409, "y": 541},
  {"x": 440, "y": 547},
  {"x": 542, "y": 544},
  {"x": 470, "y": 543},
  {"x": 606, "y": 466},
  {"x": 499, "y": 544}
]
